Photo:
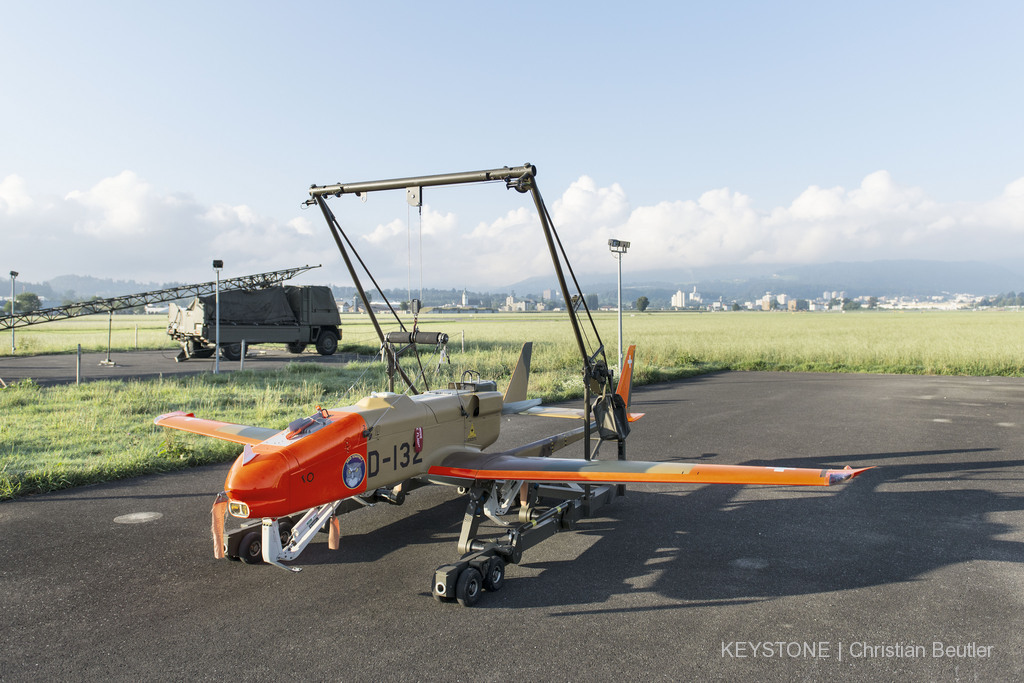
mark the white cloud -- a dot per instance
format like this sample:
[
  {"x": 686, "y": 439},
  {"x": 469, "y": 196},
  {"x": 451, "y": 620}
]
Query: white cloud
[
  {"x": 115, "y": 207},
  {"x": 123, "y": 227},
  {"x": 14, "y": 195},
  {"x": 585, "y": 204},
  {"x": 388, "y": 232}
]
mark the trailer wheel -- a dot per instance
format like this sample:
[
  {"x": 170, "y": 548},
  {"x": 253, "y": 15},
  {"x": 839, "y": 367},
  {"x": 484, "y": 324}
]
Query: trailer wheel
[
  {"x": 296, "y": 347},
  {"x": 494, "y": 574},
  {"x": 327, "y": 343},
  {"x": 468, "y": 587},
  {"x": 231, "y": 351}
]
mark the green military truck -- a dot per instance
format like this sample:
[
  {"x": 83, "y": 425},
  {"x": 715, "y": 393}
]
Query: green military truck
[{"x": 293, "y": 315}]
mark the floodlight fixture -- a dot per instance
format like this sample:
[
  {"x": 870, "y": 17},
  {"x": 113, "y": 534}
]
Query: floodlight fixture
[
  {"x": 14, "y": 274},
  {"x": 217, "y": 265},
  {"x": 618, "y": 248}
]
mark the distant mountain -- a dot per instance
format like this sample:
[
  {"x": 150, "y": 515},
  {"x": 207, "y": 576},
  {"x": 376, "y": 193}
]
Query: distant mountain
[{"x": 82, "y": 287}]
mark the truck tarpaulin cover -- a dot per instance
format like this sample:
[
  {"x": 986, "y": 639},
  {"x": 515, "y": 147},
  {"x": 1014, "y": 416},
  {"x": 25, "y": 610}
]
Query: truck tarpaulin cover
[{"x": 264, "y": 307}]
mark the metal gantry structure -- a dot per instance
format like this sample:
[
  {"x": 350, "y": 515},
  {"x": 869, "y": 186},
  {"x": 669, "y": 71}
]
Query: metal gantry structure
[
  {"x": 118, "y": 303},
  {"x": 598, "y": 378},
  {"x": 544, "y": 508}
]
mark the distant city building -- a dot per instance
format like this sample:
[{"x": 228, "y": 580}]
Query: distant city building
[
  {"x": 512, "y": 305},
  {"x": 678, "y": 299}
]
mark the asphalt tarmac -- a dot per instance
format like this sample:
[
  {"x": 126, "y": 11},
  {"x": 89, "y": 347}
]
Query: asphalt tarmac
[
  {"x": 913, "y": 571},
  {"x": 50, "y": 369}
]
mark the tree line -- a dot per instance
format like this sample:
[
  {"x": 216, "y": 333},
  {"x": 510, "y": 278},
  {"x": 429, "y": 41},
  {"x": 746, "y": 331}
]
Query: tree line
[{"x": 1008, "y": 299}]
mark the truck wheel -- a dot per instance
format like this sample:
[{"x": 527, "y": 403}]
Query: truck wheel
[
  {"x": 296, "y": 347},
  {"x": 231, "y": 351},
  {"x": 327, "y": 343}
]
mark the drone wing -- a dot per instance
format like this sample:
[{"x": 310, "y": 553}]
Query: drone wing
[
  {"x": 512, "y": 467},
  {"x": 226, "y": 431}
]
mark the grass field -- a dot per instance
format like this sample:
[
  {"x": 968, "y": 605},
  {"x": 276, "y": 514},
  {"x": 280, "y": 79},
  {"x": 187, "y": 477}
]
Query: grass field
[{"x": 56, "y": 437}]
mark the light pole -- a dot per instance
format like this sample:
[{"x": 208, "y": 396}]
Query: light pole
[
  {"x": 14, "y": 274},
  {"x": 618, "y": 247},
  {"x": 217, "y": 265}
]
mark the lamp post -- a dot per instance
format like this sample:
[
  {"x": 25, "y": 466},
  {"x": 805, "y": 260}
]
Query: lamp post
[
  {"x": 619, "y": 247},
  {"x": 14, "y": 274},
  {"x": 217, "y": 265}
]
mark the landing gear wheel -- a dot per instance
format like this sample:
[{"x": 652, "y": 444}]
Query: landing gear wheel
[
  {"x": 250, "y": 550},
  {"x": 284, "y": 527},
  {"x": 327, "y": 343},
  {"x": 468, "y": 587},
  {"x": 494, "y": 574},
  {"x": 296, "y": 347},
  {"x": 231, "y": 351}
]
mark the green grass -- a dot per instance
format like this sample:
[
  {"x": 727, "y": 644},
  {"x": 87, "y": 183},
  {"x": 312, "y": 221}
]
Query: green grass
[{"x": 52, "y": 438}]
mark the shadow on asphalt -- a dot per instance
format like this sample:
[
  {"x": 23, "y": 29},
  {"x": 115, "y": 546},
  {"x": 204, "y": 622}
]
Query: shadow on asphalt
[{"x": 712, "y": 545}]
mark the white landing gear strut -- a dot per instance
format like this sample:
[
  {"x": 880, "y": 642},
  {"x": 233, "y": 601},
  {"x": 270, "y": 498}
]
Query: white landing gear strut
[{"x": 303, "y": 532}]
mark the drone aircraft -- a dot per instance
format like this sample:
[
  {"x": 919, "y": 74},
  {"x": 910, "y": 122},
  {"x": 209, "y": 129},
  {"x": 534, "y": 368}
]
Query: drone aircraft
[{"x": 289, "y": 485}]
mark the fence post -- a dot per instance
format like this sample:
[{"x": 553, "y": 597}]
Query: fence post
[
  {"x": 78, "y": 365},
  {"x": 241, "y": 361}
]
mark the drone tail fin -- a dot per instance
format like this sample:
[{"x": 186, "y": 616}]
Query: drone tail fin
[
  {"x": 625, "y": 386},
  {"x": 516, "y": 390}
]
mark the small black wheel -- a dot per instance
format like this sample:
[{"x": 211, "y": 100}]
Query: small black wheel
[
  {"x": 468, "y": 587},
  {"x": 327, "y": 343},
  {"x": 231, "y": 351},
  {"x": 494, "y": 574},
  {"x": 284, "y": 527},
  {"x": 250, "y": 550},
  {"x": 296, "y": 347}
]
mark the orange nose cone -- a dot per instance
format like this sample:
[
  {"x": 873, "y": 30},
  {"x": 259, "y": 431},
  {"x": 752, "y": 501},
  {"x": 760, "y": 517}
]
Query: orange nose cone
[{"x": 262, "y": 483}]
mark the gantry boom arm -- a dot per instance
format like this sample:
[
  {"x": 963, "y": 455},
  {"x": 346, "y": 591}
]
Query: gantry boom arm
[
  {"x": 117, "y": 303},
  {"x": 339, "y": 189},
  {"x": 522, "y": 179}
]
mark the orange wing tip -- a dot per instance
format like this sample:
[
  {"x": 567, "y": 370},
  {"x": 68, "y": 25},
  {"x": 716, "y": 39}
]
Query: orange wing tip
[
  {"x": 845, "y": 474},
  {"x": 173, "y": 413},
  {"x": 633, "y": 417}
]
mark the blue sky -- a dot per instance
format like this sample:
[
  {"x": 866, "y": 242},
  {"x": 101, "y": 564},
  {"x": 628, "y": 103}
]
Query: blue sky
[{"x": 141, "y": 140}]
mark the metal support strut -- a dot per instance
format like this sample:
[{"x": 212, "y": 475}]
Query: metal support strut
[{"x": 544, "y": 510}]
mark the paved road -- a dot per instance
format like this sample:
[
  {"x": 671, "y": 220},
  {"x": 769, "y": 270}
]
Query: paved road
[
  {"x": 62, "y": 368},
  {"x": 670, "y": 584}
]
